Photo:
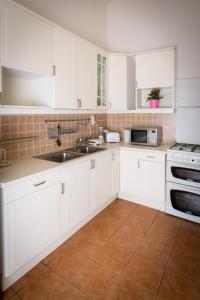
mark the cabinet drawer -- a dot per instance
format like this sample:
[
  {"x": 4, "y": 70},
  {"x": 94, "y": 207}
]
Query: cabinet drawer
[
  {"x": 30, "y": 185},
  {"x": 152, "y": 156}
]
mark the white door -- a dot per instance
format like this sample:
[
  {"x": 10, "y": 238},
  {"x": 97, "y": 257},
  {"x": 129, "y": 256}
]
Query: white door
[
  {"x": 32, "y": 223},
  {"x": 66, "y": 70},
  {"x": 27, "y": 41},
  {"x": 77, "y": 192},
  {"x": 87, "y": 75},
  {"x": 155, "y": 69},
  {"x": 151, "y": 183},
  {"x": 115, "y": 173},
  {"x": 128, "y": 172}
]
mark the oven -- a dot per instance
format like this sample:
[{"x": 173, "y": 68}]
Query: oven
[
  {"x": 183, "y": 201},
  {"x": 182, "y": 173}
]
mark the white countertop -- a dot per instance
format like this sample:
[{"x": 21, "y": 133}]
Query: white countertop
[{"x": 29, "y": 166}]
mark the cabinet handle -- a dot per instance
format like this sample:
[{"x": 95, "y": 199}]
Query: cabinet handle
[
  {"x": 39, "y": 183},
  {"x": 138, "y": 164},
  {"x": 62, "y": 188},
  {"x": 53, "y": 70},
  {"x": 113, "y": 156},
  {"x": 92, "y": 164},
  {"x": 150, "y": 156},
  {"x": 110, "y": 105},
  {"x": 79, "y": 103}
]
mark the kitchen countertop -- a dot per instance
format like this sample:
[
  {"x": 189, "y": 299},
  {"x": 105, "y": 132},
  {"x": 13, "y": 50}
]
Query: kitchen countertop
[{"x": 29, "y": 166}]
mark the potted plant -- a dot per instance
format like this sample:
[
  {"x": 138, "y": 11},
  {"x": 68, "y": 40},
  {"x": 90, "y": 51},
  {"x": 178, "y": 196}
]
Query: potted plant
[{"x": 154, "y": 97}]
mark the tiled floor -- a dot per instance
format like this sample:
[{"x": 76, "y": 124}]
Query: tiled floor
[{"x": 127, "y": 252}]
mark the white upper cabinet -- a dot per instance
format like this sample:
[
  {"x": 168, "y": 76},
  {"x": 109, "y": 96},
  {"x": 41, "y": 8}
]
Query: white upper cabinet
[
  {"x": 121, "y": 82},
  {"x": 66, "y": 69},
  {"x": 101, "y": 79},
  {"x": 26, "y": 41},
  {"x": 155, "y": 69},
  {"x": 87, "y": 75}
]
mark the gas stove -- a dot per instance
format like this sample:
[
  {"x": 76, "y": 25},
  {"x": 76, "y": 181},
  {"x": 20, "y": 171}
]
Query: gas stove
[
  {"x": 185, "y": 153},
  {"x": 186, "y": 147}
]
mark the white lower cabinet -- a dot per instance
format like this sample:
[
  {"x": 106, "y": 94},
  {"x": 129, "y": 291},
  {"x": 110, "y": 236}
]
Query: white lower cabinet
[
  {"x": 142, "y": 177},
  {"x": 41, "y": 210},
  {"x": 128, "y": 172},
  {"x": 77, "y": 192},
  {"x": 32, "y": 221}
]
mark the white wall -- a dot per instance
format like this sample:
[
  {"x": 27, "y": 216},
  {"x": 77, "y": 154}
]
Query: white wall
[
  {"x": 134, "y": 25},
  {"x": 86, "y": 18}
]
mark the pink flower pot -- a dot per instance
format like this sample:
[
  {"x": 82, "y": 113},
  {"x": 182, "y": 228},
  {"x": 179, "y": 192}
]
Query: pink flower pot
[{"x": 154, "y": 103}]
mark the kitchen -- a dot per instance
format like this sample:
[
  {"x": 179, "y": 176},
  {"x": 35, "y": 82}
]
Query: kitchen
[{"x": 99, "y": 133}]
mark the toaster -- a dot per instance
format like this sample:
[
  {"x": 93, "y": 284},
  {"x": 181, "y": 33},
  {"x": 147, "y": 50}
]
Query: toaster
[{"x": 112, "y": 137}]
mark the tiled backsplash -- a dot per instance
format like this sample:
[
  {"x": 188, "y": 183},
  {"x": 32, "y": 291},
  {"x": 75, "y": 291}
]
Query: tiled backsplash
[
  {"x": 118, "y": 122},
  {"x": 21, "y": 126}
]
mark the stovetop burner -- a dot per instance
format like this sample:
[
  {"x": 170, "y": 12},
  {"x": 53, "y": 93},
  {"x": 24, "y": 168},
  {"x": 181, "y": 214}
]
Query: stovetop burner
[{"x": 186, "y": 147}]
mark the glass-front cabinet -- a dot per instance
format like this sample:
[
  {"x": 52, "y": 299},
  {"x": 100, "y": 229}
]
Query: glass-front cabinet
[{"x": 101, "y": 80}]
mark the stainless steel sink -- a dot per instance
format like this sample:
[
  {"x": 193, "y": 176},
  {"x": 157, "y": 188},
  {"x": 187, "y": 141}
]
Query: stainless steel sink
[
  {"x": 86, "y": 149},
  {"x": 59, "y": 156},
  {"x": 69, "y": 154}
]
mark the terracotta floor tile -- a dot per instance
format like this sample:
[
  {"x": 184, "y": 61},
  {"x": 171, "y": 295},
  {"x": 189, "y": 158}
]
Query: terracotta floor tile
[
  {"x": 87, "y": 245},
  {"x": 127, "y": 238},
  {"x": 120, "y": 254},
  {"x": 7, "y": 294},
  {"x": 138, "y": 224},
  {"x": 185, "y": 263},
  {"x": 56, "y": 253},
  {"x": 165, "y": 223},
  {"x": 95, "y": 280},
  {"x": 166, "y": 239},
  {"x": 23, "y": 281},
  {"x": 109, "y": 207},
  {"x": 124, "y": 289},
  {"x": 147, "y": 212},
  {"x": 190, "y": 228},
  {"x": 187, "y": 244},
  {"x": 74, "y": 294},
  {"x": 144, "y": 274},
  {"x": 69, "y": 265},
  {"x": 154, "y": 252},
  {"x": 113, "y": 257},
  {"x": 175, "y": 287},
  {"x": 48, "y": 286},
  {"x": 102, "y": 228}
]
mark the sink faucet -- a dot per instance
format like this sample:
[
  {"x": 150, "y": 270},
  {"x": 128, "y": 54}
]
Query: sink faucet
[{"x": 79, "y": 142}]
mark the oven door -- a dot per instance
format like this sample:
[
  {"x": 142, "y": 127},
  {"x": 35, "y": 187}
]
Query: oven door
[
  {"x": 139, "y": 136},
  {"x": 183, "y": 173},
  {"x": 183, "y": 201}
]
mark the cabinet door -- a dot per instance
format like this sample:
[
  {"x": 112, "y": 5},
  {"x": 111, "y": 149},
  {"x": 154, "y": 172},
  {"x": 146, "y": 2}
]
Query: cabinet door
[
  {"x": 87, "y": 75},
  {"x": 121, "y": 80},
  {"x": 77, "y": 193},
  {"x": 27, "y": 41},
  {"x": 115, "y": 173},
  {"x": 66, "y": 69},
  {"x": 155, "y": 69},
  {"x": 31, "y": 223},
  {"x": 128, "y": 172},
  {"x": 151, "y": 182}
]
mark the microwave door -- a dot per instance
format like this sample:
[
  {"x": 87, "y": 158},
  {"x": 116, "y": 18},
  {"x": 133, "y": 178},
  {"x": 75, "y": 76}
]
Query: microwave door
[{"x": 139, "y": 136}]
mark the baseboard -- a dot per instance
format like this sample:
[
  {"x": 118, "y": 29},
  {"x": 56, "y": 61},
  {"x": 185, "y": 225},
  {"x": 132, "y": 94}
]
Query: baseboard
[
  {"x": 142, "y": 201},
  {"x": 8, "y": 281}
]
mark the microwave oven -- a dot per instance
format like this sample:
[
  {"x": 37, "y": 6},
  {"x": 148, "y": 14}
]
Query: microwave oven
[{"x": 143, "y": 136}]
